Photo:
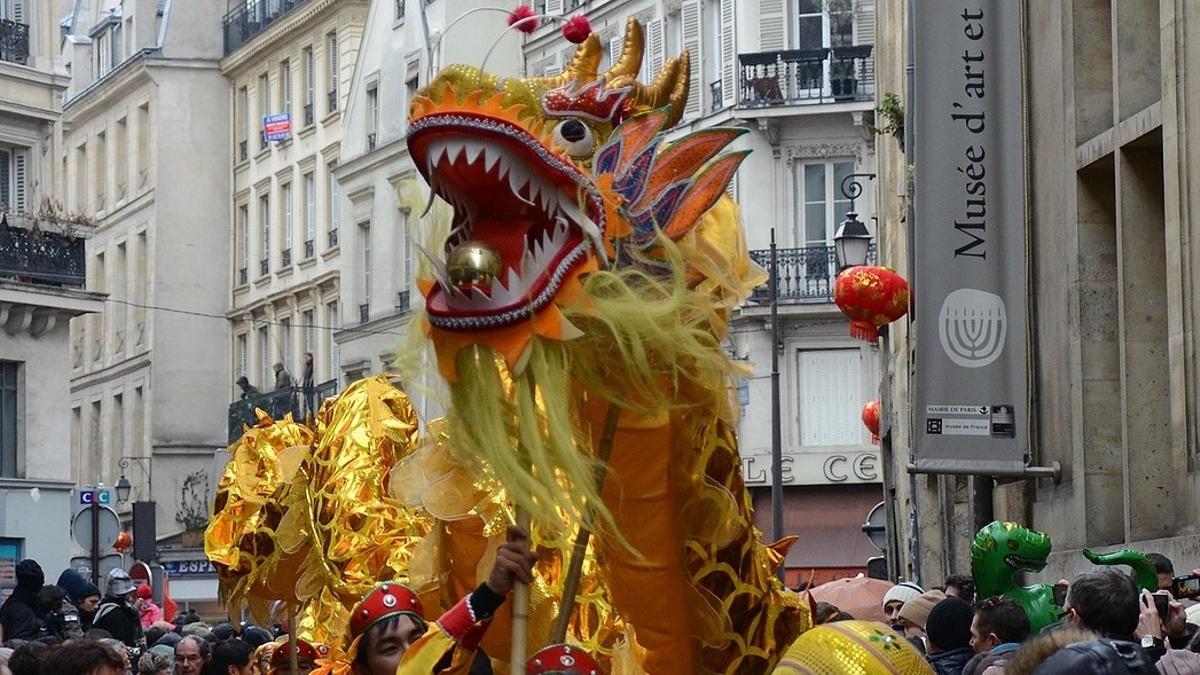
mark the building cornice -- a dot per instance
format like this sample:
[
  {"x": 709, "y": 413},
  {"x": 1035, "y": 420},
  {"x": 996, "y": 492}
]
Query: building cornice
[
  {"x": 100, "y": 93},
  {"x": 281, "y": 31},
  {"x": 245, "y": 312}
]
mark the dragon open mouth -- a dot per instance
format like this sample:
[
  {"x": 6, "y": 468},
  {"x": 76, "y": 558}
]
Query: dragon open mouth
[
  {"x": 524, "y": 218},
  {"x": 1024, "y": 564}
]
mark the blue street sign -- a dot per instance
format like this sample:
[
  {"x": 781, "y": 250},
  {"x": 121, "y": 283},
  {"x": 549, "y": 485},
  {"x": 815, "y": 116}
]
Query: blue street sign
[{"x": 103, "y": 497}]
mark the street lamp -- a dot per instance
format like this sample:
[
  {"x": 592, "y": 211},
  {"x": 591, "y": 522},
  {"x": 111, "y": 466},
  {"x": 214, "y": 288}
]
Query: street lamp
[
  {"x": 123, "y": 488},
  {"x": 852, "y": 242}
]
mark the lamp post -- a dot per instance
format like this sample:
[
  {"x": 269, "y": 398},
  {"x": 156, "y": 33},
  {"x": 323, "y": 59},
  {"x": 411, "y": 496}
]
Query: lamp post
[
  {"x": 124, "y": 487},
  {"x": 852, "y": 242},
  {"x": 144, "y": 528}
]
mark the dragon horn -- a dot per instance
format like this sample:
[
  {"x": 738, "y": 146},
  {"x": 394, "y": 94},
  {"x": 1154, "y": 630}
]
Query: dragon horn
[
  {"x": 583, "y": 67},
  {"x": 670, "y": 87},
  {"x": 631, "y": 53}
]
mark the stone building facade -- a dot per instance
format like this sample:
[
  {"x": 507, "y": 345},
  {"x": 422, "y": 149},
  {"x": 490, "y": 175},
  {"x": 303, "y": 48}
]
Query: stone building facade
[
  {"x": 1112, "y": 278},
  {"x": 144, "y": 107}
]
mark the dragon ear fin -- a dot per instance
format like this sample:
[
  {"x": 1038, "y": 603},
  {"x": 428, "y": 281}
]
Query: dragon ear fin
[
  {"x": 705, "y": 190},
  {"x": 683, "y": 158},
  {"x": 628, "y": 140}
]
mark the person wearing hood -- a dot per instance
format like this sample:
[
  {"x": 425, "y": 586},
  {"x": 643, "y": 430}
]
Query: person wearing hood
[
  {"x": 83, "y": 594},
  {"x": 19, "y": 616},
  {"x": 149, "y": 612},
  {"x": 117, "y": 614}
]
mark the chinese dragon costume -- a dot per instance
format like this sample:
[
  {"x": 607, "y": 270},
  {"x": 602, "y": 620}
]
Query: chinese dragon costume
[{"x": 576, "y": 305}]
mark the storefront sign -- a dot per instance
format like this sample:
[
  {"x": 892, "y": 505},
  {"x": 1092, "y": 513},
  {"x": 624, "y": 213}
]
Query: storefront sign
[
  {"x": 815, "y": 468},
  {"x": 189, "y": 568},
  {"x": 968, "y": 239}
]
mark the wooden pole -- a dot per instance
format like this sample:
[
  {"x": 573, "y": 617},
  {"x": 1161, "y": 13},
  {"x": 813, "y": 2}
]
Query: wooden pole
[
  {"x": 520, "y": 613},
  {"x": 293, "y": 658},
  {"x": 579, "y": 550}
]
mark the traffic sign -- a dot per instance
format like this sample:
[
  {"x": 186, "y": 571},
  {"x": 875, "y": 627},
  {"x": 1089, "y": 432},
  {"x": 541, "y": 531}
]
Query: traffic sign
[
  {"x": 108, "y": 563},
  {"x": 876, "y": 527},
  {"x": 110, "y": 527}
]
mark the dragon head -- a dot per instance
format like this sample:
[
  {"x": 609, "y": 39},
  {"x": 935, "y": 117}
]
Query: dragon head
[
  {"x": 551, "y": 178},
  {"x": 1000, "y": 550}
]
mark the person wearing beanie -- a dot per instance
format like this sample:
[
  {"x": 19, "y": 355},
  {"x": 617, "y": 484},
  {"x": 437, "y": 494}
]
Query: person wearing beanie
[
  {"x": 19, "y": 616},
  {"x": 948, "y": 632},
  {"x": 117, "y": 614},
  {"x": 148, "y": 612},
  {"x": 915, "y": 612},
  {"x": 83, "y": 594},
  {"x": 895, "y": 598}
]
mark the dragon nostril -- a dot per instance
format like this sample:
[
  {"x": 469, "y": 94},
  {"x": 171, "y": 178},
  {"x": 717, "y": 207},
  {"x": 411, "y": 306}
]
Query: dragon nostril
[{"x": 573, "y": 130}]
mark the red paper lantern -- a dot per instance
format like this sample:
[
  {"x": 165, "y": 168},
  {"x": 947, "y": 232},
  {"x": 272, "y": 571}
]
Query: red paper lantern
[
  {"x": 872, "y": 297},
  {"x": 870, "y": 417},
  {"x": 124, "y": 541}
]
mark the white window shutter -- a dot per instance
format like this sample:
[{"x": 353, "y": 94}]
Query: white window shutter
[
  {"x": 614, "y": 48},
  {"x": 18, "y": 11},
  {"x": 656, "y": 47},
  {"x": 554, "y": 7},
  {"x": 333, "y": 62},
  {"x": 772, "y": 21},
  {"x": 20, "y": 180},
  {"x": 729, "y": 67},
  {"x": 689, "y": 17},
  {"x": 864, "y": 22}
]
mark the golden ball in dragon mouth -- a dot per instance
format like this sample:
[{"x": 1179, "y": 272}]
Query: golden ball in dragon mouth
[{"x": 473, "y": 264}]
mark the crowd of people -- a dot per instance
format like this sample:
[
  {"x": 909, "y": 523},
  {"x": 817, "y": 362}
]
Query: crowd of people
[{"x": 1107, "y": 626}]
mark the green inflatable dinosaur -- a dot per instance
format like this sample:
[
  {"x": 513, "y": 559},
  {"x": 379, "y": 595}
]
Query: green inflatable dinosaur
[{"x": 1001, "y": 550}]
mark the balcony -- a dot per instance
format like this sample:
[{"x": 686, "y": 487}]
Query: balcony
[
  {"x": 285, "y": 258},
  {"x": 41, "y": 257},
  {"x": 253, "y": 17},
  {"x": 264, "y": 267},
  {"x": 294, "y": 400},
  {"x": 403, "y": 301},
  {"x": 333, "y": 237},
  {"x": 309, "y": 248},
  {"x": 243, "y": 276},
  {"x": 806, "y": 76},
  {"x": 332, "y": 102},
  {"x": 14, "y": 41},
  {"x": 806, "y": 275}
]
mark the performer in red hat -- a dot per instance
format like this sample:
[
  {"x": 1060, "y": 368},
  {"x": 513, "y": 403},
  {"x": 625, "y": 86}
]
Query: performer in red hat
[
  {"x": 562, "y": 660},
  {"x": 307, "y": 654},
  {"x": 388, "y": 628}
]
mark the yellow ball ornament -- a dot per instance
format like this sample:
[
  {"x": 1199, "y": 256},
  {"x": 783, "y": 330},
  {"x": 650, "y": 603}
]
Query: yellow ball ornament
[{"x": 852, "y": 648}]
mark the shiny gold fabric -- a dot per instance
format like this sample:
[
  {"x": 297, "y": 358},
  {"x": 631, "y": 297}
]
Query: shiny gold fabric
[{"x": 852, "y": 648}]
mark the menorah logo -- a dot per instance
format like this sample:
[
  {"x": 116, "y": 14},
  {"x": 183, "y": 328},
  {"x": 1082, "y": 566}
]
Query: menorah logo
[{"x": 972, "y": 326}]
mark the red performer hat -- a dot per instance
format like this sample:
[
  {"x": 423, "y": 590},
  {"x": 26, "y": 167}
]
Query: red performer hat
[
  {"x": 387, "y": 600},
  {"x": 304, "y": 650},
  {"x": 562, "y": 660}
]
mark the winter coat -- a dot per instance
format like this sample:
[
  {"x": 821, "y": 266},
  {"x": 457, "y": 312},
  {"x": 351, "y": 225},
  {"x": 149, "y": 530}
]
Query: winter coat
[
  {"x": 19, "y": 616},
  {"x": 65, "y": 623},
  {"x": 119, "y": 619},
  {"x": 150, "y": 613},
  {"x": 951, "y": 662}
]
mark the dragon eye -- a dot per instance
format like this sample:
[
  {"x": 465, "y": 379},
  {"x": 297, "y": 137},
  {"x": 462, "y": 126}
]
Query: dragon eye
[{"x": 575, "y": 137}]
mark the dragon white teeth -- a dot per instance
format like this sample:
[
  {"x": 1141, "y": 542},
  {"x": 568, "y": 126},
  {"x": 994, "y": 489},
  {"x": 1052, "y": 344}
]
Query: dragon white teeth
[{"x": 473, "y": 150}]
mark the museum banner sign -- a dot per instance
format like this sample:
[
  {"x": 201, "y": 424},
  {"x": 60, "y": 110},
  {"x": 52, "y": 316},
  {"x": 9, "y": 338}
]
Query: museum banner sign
[{"x": 970, "y": 392}]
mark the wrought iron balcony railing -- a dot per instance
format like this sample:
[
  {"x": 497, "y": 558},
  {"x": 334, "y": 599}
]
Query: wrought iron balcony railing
[
  {"x": 800, "y": 76},
  {"x": 805, "y": 274},
  {"x": 253, "y": 17},
  {"x": 41, "y": 257},
  {"x": 715, "y": 93},
  {"x": 371, "y": 141},
  {"x": 264, "y": 267},
  {"x": 403, "y": 301},
  {"x": 309, "y": 116},
  {"x": 309, "y": 248},
  {"x": 285, "y": 258},
  {"x": 333, "y": 237},
  {"x": 332, "y": 101},
  {"x": 14, "y": 41},
  {"x": 243, "y": 153},
  {"x": 243, "y": 276},
  {"x": 301, "y": 402}
]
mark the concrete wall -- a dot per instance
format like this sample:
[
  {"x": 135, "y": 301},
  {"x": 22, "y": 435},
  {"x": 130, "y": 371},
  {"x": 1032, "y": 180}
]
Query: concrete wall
[{"x": 40, "y": 515}]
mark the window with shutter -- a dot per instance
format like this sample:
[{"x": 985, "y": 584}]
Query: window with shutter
[
  {"x": 331, "y": 44},
  {"x": 18, "y": 11},
  {"x": 614, "y": 48},
  {"x": 830, "y": 397},
  {"x": 554, "y": 7},
  {"x": 728, "y": 53},
  {"x": 772, "y": 22},
  {"x": 552, "y": 65},
  {"x": 6, "y": 187},
  {"x": 689, "y": 17},
  {"x": 655, "y": 48}
]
